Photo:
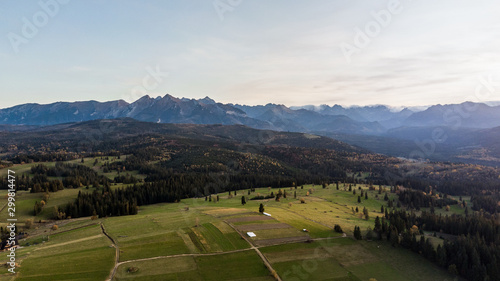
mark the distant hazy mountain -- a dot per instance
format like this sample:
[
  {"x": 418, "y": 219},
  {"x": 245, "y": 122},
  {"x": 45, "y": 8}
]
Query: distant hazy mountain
[
  {"x": 384, "y": 115},
  {"x": 70, "y": 135},
  {"x": 169, "y": 109},
  {"x": 303, "y": 120},
  {"x": 467, "y": 115},
  {"x": 471, "y": 130},
  {"x": 161, "y": 110},
  {"x": 61, "y": 112},
  {"x": 368, "y": 120}
]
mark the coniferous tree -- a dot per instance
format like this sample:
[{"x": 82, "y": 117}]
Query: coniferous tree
[
  {"x": 366, "y": 213},
  {"x": 378, "y": 225},
  {"x": 261, "y": 208},
  {"x": 357, "y": 233}
]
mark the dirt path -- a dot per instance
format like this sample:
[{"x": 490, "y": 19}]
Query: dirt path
[
  {"x": 5, "y": 205},
  {"x": 113, "y": 243},
  {"x": 70, "y": 242},
  {"x": 182, "y": 255},
  {"x": 264, "y": 226},
  {"x": 253, "y": 247},
  {"x": 256, "y": 249},
  {"x": 281, "y": 241},
  {"x": 46, "y": 225},
  {"x": 250, "y": 218}
]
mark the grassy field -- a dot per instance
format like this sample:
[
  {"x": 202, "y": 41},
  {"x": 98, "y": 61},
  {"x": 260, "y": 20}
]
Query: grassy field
[
  {"x": 80, "y": 254},
  {"x": 234, "y": 266},
  {"x": 198, "y": 240},
  {"x": 26, "y": 201}
]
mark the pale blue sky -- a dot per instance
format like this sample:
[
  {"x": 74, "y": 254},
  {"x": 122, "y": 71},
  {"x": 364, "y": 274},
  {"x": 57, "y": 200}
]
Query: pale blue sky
[{"x": 261, "y": 51}]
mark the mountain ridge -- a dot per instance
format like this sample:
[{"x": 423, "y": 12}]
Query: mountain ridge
[{"x": 366, "y": 120}]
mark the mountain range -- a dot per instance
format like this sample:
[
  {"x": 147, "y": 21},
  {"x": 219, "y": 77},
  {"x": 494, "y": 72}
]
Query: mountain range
[
  {"x": 374, "y": 120},
  {"x": 169, "y": 109},
  {"x": 457, "y": 131}
]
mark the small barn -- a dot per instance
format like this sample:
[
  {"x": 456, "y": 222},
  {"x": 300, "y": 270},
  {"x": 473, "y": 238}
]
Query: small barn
[{"x": 251, "y": 234}]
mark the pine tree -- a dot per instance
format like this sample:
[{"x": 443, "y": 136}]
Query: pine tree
[
  {"x": 243, "y": 200},
  {"x": 357, "y": 233},
  {"x": 366, "y": 214},
  {"x": 261, "y": 208},
  {"x": 378, "y": 226},
  {"x": 394, "y": 237}
]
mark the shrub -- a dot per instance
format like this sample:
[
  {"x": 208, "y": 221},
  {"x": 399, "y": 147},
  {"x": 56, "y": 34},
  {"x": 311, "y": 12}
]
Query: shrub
[
  {"x": 28, "y": 223},
  {"x": 132, "y": 269},
  {"x": 337, "y": 228}
]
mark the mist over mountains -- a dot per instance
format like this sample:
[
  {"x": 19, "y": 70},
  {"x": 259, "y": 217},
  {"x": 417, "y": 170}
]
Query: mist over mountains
[{"x": 460, "y": 132}]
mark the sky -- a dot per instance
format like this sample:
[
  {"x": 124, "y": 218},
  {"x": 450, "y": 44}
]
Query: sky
[{"x": 250, "y": 51}]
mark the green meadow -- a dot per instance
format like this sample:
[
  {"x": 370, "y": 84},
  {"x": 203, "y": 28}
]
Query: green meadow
[{"x": 198, "y": 239}]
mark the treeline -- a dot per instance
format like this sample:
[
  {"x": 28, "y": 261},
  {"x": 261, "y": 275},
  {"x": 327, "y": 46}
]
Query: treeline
[
  {"x": 38, "y": 183},
  {"x": 124, "y": 201},
  {"x": 73, "y": 176},
  {"x": 454, "y": 184},
  {"x": 472, "y": 252},
  {"x": 43, "y": 157},
  {"x": 417, "y": 199},
  {"x": 104, "y": 203},
  {"x": 488, "y": 203},
  {"x": 173, "y": 188},
  {"x": 76, "y": 175},
  {"x": 487, "y": 228}
]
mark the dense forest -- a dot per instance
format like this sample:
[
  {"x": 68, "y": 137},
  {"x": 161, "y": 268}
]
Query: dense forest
[{"x": 471, "y": 250}]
